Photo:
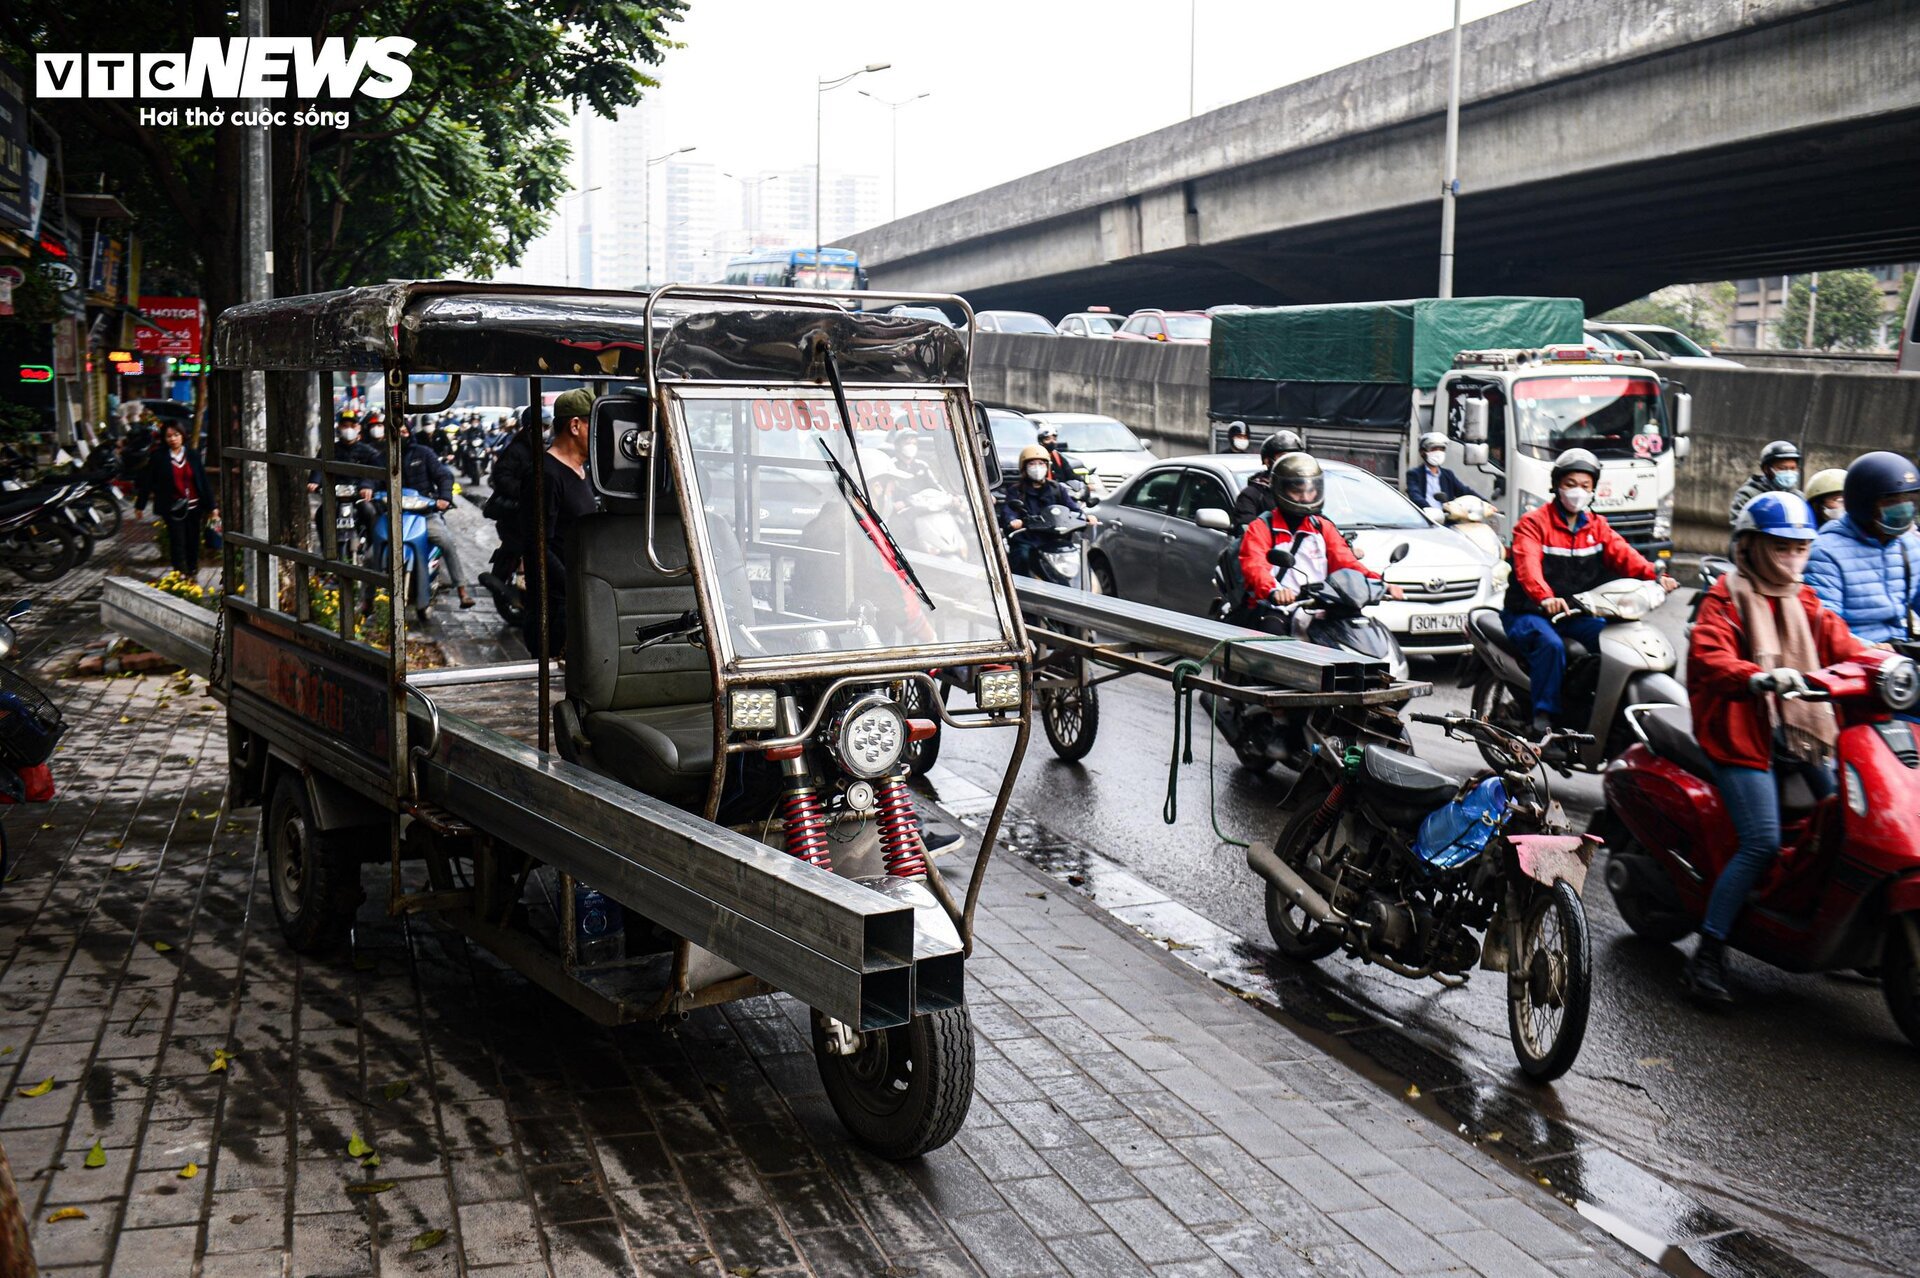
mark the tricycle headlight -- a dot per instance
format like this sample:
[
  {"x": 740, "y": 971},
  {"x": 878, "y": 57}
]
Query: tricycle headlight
[
  {"x": 999, "y": 689},
  {"x": 1898, "y": 683},
  {"x": 871, "y": 737},
  {"x": 752, "y": 709}
]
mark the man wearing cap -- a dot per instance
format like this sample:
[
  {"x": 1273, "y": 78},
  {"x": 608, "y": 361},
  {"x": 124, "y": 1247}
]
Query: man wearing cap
[{"x": 568, "y": 497}]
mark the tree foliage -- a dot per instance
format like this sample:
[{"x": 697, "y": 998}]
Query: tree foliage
[
  {"x": 455, "y": 176},
  {"x": 1847, "y": 315},
  {"x": 1701, "y": 311}
]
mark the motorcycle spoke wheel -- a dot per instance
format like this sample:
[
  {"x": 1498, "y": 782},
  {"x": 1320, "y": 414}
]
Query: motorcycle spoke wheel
[
  {"x": 1550, "y": 984},
  {"x": 1296, "y": 936},
  {"x": 1495, "y": 702}
]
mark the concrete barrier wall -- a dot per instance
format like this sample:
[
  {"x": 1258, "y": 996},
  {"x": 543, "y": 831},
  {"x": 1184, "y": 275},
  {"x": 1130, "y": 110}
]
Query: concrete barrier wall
[{"x": 1161, "y": 391}]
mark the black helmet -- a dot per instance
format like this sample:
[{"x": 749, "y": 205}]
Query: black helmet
[
  {"x": 1573, "y": 461},
  {"x": 1237, "y": 430},
  {"x": 1871, "y": 477},
  {"x": 1299, "y": 489},
  {"x": 1281, "y": 441},
  {"x": 1778, "y": 451}
]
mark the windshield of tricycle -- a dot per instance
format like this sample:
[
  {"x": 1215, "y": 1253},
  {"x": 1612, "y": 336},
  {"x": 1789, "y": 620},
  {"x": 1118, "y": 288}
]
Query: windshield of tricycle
[{"x": 821, "y": 542}]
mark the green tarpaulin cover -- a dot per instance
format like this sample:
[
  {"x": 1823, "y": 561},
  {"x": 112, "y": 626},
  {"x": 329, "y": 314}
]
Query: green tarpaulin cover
[{"x": 1404, "y": 343}]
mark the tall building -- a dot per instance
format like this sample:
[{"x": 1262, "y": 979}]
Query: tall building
[
  {"x": 686, "y": 219},
  {"x": 777, "y": 206}
]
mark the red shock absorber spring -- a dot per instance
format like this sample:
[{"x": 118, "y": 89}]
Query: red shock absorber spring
[
  {"x": 806, "y": 824},
  {"x": 900, "y": 843},
  {"x": 1326, "y": 815}
]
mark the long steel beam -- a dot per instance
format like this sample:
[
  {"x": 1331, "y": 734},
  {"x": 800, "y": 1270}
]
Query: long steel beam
[
  {"x": 178, "y": 630},
  {"x": 1249, "y": 654},
  {"x": 828, "y": 941}
]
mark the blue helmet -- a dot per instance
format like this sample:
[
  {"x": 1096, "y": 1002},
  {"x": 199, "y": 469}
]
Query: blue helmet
[
  {"x": 1784, "y": 515},
  {"x": 1871, "y": 477}
]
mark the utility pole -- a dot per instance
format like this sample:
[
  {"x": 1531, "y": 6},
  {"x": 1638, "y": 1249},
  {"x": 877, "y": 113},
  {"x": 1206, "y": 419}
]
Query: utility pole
[
  {"x": 256, "y": 285},
  {"x": 1450, "y": 183},
  {"x": 1193, "y": 26},
  {"x": 1813, "y": 304}
]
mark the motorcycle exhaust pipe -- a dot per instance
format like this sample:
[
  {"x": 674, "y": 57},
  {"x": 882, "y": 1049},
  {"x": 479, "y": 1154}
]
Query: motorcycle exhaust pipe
[{"x": 1268, "y": 865}]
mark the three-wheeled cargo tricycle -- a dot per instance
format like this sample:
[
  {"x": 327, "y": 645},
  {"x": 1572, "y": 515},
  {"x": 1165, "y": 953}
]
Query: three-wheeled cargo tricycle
[{"x": 710, "y": 802}]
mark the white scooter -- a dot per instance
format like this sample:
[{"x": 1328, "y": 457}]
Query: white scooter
[{"x": 1632, "y": 666}]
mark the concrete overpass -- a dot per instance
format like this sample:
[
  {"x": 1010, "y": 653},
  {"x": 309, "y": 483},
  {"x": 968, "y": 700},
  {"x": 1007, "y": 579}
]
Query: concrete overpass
[{"x": 1608, "y": 147}]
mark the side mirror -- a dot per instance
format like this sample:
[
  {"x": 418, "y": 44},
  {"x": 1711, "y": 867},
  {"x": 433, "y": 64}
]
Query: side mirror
[
  {"x": 1681, "y": 447},
  {"x": 1473, "y": 420},
  {"x": 1474, "y": 454},
  {"x": 1214, "y": 518},
  {"x": 1280, "y": 558},
  {"x": 620, "y": 442},
  {"x": 1146, "y": 446},
  {"x": 1400, "y": 552},
  {"x": 19, "y": 609},
  {"x": 1682, "y": 414},
  {"x": 989, "y": 455}
]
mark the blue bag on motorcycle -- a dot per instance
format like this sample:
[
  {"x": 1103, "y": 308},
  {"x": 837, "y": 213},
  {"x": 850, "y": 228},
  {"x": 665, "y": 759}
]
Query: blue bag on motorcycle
[{"x": 1456, "y": 833}]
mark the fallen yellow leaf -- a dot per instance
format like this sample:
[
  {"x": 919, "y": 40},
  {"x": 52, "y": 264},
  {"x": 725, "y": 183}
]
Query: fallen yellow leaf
[
  {"x": 67, "y": 1213},
  {"x": 1495, "y": 1135},
  {"x": 371, "y": 1187},
  {"x": 97, "y": 1156},
  {"x": 161, "y": 947},
  {"x": 427, "y": 1241},
  {"x": 189, "y": 1171},
  {"x": 128, "y": 867},
  {"x": 220, "y": 1058},
  {"x": 1413, "y": 1091},
  {"x": 356, "y": 1147},
  {"x": 40, "y": 1088}
]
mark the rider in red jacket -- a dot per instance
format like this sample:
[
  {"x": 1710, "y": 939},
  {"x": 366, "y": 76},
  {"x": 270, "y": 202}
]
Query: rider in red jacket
[{"x": 1318, "y": 548}]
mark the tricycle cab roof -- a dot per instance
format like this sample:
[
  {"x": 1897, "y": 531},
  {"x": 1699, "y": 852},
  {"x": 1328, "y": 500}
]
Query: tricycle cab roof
[{"x": 477, "y": 327}]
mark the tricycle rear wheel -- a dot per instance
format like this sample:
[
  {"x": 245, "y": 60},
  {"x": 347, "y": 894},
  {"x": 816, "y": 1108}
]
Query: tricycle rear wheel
[
  {"x": 1071, "y": 716},
  {"x": 905, "y": 1090},
  {"x": 315, "y": 877}
]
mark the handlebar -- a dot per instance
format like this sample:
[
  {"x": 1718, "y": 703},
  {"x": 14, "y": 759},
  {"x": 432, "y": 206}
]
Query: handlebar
[{"x": 1456, "y": 722}]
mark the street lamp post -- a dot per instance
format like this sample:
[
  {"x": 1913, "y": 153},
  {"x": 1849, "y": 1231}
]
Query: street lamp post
[
  {"x": 752, "y": 184},
  {"x": 893, "y": 161},
  {"x": 819, "y": 109},
  {"x": 646, "y": 198},
  {"x": 566, "y": 237}
]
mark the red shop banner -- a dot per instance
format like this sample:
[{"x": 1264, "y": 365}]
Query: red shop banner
[{"x": 182, "y": 318}]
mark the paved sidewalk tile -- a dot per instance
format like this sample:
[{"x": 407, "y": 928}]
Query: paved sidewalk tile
[{"x": 1130, "y": 1117}]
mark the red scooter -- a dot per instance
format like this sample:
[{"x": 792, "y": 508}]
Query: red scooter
[{"x": 1845, "y": 892}]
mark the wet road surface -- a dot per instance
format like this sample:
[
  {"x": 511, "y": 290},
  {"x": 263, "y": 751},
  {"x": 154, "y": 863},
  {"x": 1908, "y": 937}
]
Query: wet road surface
[{"x": 1794, "y": 1114}]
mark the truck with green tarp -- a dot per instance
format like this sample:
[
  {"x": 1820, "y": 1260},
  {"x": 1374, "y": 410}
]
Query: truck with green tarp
[{"x": 1511, "y": 382}]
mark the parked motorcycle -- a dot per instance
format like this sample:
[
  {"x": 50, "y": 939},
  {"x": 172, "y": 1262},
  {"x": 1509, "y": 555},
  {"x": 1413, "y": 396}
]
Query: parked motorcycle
[
  {"x": 1845, "y": 892},
  {"x": 1425, "y": 875},
  {"x": 1330, "y": 613},
  {"x": 34, "y": 542},
  {"x": 425, "y": 573},
  {"x": 1633, "y": 666},
  {"x": 30, "y": 726}
]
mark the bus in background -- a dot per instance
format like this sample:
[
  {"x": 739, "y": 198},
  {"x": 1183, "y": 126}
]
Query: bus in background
[{"x": 794, "y": 268}]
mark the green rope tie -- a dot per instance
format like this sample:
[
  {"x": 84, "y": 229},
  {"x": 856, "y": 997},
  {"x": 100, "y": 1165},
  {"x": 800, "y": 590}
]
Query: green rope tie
[{"x": 1183, "y": 670}]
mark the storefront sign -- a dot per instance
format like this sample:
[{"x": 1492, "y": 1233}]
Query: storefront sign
[
  {"x": 181, "y": 317},
  {"x": 14, "y": 206}
]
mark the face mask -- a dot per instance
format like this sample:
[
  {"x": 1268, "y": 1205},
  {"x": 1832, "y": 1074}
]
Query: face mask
[
  {"x": 1833, "y": 510},
  {"x": 1575, "y": 499},
  {"x": 1435, "y": 457},
  {"x": 1786, "y": 479},
  {"x": 1036, "y": 471},
  {"x": 1789, "y": 557},
  {"x": 349, "y": 436},
  {"x": 378, "y": 432},
  {"x": 1896, "y": 519},
  {"x": 1239, "y": 444}
]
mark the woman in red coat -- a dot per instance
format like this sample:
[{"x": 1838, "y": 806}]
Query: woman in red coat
[{"x": 1759, "y": 628}]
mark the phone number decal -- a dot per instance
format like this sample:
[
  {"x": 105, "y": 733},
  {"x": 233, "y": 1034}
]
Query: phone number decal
[{"x": 868, "y": 414}]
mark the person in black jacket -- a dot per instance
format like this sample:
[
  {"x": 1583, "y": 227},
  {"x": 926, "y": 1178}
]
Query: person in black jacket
[
  {"x": 1431, "y": 484},
  {"x": 1256, "y": 497},
  {"x": 349, "y": 447},
  {"x": 568, "y": 498},
  {"x": 512, "y": 470},
  {"x": 1025, "y": 503},
  {"x": 175, "y": 481}
]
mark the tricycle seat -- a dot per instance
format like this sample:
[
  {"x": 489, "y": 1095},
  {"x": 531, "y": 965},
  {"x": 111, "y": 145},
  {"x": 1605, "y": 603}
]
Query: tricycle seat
[{"x": 666, "y": 751}]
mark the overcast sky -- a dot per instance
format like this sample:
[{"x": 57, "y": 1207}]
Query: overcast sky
[{"x": 1014, "y": 85}]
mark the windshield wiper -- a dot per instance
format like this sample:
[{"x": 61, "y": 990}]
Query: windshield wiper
[{"x": 855, "y": 493}]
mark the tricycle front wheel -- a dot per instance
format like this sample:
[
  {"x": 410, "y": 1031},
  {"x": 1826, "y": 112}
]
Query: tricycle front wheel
[
  {"x": 1550, "y": 983},
  {"x": 315, "y": 876},
  {"x": 901, "y": 1091}
]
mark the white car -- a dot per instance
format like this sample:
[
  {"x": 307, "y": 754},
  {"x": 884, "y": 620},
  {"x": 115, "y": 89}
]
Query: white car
[
  {"x": 1655, "y": 341},
  {"x": 1090, "y": 324},
  {"x": 1013, "y": 322},
  {"x": 1152, "y": 546},
  {"x": 1115, "y": 452}
]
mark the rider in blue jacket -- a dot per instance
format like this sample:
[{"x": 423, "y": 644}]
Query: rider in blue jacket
[{"x": 1865, "y": 565}]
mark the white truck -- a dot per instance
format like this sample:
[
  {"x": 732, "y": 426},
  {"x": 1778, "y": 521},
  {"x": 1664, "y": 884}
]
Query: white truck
[{"x": 1512, "y": 382}]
